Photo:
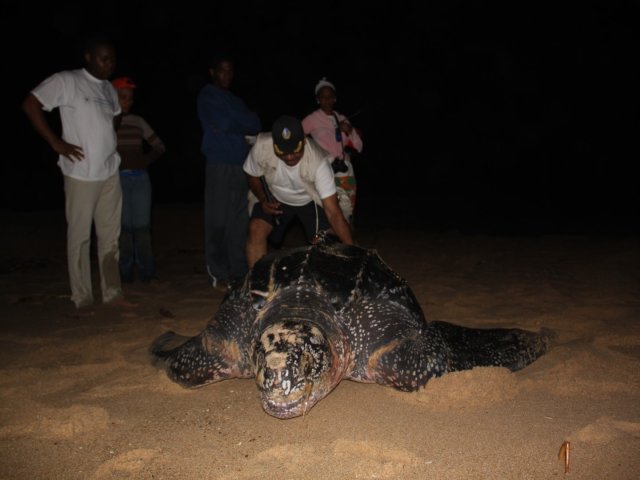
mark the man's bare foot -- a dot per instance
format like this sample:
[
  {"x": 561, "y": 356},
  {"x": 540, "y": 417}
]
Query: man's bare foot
[
  {"x": 120, "y": 302},
  {"x": 83, "y": 311}
]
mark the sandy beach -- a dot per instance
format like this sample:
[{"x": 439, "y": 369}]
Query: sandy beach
[{"x": 79, "y": 398}]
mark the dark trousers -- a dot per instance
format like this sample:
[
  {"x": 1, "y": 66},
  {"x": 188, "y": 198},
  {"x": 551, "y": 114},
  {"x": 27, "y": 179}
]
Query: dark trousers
[{"x": 226, "y": 221}]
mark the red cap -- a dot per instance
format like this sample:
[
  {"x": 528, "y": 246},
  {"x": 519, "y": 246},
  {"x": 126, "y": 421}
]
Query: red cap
[{"x": 123, "y": 82}]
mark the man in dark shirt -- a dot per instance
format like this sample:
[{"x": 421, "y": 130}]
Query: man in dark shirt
[{"x": 226, "y": 121}]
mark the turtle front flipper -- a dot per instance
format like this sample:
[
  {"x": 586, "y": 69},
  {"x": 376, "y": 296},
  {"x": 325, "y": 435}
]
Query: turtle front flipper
[
  {"x": 200, "y": 360},
  {"x": 409, "y": 360},
  {"x": 512, "y": 348},
  {"x": 413, "y": 357}
]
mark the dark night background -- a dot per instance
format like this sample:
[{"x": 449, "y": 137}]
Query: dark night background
[{"x": 476, "y": 116}]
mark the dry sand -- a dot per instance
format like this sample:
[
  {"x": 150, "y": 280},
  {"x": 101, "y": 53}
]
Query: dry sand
[{"x": 80, "y": 400}]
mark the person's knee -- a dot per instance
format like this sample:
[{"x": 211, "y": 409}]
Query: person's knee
[{"x": 258, "y": 230}]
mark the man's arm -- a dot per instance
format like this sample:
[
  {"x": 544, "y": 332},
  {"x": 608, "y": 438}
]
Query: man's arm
[
  {"x": 336, "y": 219},
  {"x": 255, "y": 185},
  {"x": 271, "y": 208},
  {"x": 33, "y": 109}
]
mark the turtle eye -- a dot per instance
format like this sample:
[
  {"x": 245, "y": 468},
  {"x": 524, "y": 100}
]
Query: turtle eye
[
  {"x": 258, "y": 302},
  {"x": 258, "y": 299}
]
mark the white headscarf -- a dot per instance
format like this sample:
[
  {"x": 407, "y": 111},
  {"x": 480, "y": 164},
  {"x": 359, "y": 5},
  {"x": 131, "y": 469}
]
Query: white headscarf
[{"x": 324, "y": 83}]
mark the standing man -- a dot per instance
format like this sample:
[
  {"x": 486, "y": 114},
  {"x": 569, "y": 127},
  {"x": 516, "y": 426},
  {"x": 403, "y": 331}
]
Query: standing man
[
  {"x": 298, "y": 173},
  {"x": 225, "y": 121},
  {"x": 88, "y": 158}
]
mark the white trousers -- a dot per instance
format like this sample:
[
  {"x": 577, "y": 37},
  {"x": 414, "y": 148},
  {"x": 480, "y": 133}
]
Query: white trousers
[{"x": 88, "y": 203}]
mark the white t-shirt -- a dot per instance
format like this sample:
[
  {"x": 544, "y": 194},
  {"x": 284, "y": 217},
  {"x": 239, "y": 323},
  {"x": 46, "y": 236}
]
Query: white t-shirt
[
  {"x": 287, "y": 186},
  {"x": 87, "y": 107}
]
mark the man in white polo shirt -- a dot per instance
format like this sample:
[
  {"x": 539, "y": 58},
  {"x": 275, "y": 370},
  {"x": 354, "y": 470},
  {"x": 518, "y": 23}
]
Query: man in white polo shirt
[
  {"x": 300, "y": 181},
  {"x": 89, "y": 161}
]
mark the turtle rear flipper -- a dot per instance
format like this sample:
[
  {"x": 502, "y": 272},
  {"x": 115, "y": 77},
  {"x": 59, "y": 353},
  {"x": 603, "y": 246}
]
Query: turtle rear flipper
[{"x": 195, "y": 361}]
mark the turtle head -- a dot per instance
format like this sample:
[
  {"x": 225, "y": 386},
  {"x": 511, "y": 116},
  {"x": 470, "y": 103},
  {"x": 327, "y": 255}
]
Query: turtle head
[{"x": 296, "y": 366}]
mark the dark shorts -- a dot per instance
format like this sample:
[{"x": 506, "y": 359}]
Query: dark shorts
[{"x": 312, "y": 218}]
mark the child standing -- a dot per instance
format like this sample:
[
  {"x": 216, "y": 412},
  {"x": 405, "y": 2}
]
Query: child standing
[
  {"x": 333, "y": 132},
  {"x": 135, "y": 236}
]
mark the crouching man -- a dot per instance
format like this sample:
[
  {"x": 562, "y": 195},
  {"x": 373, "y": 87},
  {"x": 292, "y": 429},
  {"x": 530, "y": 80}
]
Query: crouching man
[{"x": 299, "y": 184}]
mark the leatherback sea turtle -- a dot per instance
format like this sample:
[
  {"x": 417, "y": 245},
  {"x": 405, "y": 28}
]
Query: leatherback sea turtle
[{"x": 304, "y": 319}]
